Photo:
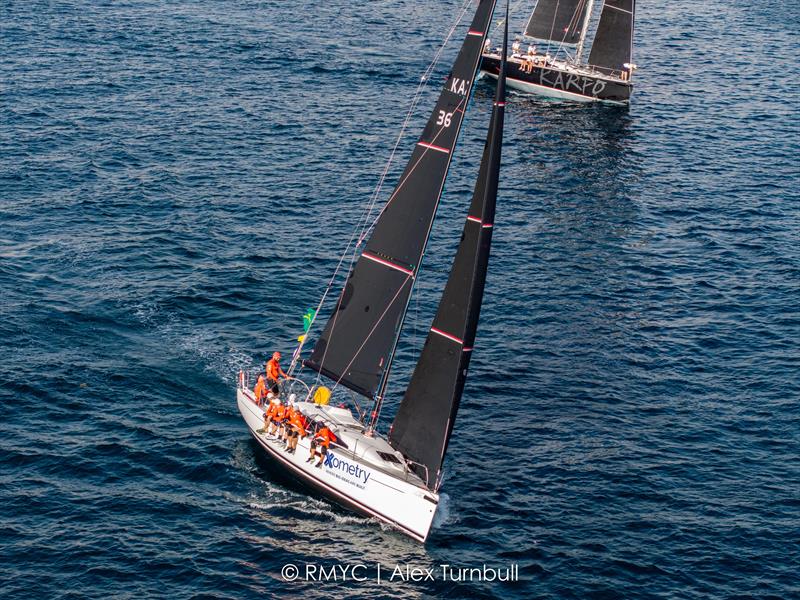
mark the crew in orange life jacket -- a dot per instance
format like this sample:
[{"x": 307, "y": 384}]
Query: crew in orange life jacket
[
  {"x": 322, "y": 439},
  {"x": 271, "y": 406},
  {"x": 285, "y": 429},
  {"x": 274, "y": 372},
  {"x": 277, "y": 418},
  {"x": 283, "y": 414},
  {"x": 297, "y": 428},
  {"x": 260, "y": 390}
]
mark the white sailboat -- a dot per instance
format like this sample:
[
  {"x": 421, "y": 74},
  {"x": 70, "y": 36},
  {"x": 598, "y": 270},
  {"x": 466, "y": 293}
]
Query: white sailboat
[{"x": 396, "y": 478}]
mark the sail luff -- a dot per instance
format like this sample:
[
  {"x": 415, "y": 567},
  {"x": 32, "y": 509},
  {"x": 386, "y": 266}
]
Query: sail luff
[
  {"x": 358, "y": 341},
  {"x": 613, "y": 42},
  {"x": 424, "y": 422}
]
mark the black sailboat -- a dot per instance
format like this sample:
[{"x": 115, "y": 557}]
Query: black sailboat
[
  {"x": 427, "y": 413},
  {"x": 397, "y": 480},
  {"x": 553, "y": 64}
]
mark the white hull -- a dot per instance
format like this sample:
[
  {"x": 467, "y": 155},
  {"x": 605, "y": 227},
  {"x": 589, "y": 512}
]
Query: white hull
[{"x": 347, "y": 476}]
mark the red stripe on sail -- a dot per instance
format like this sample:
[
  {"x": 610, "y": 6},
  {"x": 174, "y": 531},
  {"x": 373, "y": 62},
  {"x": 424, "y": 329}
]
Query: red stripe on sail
[
  {"x": 432, "y": 147},
  {"x": 386, "y": 263},
  {"x": 447, "y": 335}
]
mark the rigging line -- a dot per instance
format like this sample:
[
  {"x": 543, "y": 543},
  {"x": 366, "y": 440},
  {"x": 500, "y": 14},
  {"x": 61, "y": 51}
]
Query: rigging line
[
  {"x": 458, "y": 108},
  {"x": 420, "y": 87},
  {"x": 415, "y": 100},
  {"x": 514, "y": 7},
  {"x": 353, "y": 259},
  {"x": 364, "y": 219},
  {"x": 378, "y": 322},
  {"x": 465, "y": 100},
  {"x": 573, "y": 22},
  {"x": 378, "y": 404},
  {"x": 552, "y": 26},
  {"x": 412, "y": 277},
  {"x": 424, "y": 79}
]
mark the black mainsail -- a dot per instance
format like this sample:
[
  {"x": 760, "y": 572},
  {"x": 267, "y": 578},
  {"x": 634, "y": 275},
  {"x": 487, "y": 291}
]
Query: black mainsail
[
  {"x": 613, "y": 43},
  {"x": 557, "y": 20},
  {"x": 357, "y": 344},
  {"x": 424, "y": 421}
]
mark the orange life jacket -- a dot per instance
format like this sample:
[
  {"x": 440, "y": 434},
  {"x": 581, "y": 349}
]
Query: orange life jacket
[
  {"x": 261, "y": 388},
  {"x": 296, "y": 420},
  {"x": 273, "y": 369},
  {"x": 324, "y": 437},
  {"x": 270, "y": 412}
]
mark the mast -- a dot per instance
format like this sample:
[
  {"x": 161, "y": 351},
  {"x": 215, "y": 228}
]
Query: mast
[
  {"x": 584, "y": 29},
  {"x": 357, "y": 345},
  {"x": 427, "y": 413}
]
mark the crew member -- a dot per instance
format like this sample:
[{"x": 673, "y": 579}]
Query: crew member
[
  {"x": 274, "y": 372},
  {"x": 260, "y": 390},
  {"x": 297, "y": 429},
  {"x": 322, "y": 440},
  {"x": 277, "y": 418},
  {"x": 270, "y": 412},
  {"x": 285, "y": 428},
  {"x": 527, "y": 66}
]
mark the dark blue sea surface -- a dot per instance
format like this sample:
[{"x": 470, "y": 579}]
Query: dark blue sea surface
[{"x": 177, "y": 181}]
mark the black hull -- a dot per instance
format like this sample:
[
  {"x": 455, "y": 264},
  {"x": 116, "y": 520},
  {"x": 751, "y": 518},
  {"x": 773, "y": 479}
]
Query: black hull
[{"x": 556, "y": 82}]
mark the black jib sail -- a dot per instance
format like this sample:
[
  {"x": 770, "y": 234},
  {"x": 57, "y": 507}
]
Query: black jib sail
[
  {"x": 424, "y": 422},
  {"x": 357, "y": 344},
  {"x": 613, "y": 42},
  {"x": 557, "y": 20}
]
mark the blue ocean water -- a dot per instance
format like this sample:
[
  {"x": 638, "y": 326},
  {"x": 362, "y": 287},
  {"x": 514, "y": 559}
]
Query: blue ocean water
[{"x": 177, "y": 180}]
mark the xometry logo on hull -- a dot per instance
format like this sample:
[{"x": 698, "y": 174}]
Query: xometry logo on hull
[{"x": 347, "y": 468}]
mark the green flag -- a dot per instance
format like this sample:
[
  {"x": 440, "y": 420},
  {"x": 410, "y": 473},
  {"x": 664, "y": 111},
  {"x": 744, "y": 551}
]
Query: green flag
[{"x": 308, "y": 318}]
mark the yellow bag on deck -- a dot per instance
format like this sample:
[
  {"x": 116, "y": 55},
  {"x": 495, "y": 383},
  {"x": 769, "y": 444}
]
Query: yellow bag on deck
[{"x": 322, "y": 396}]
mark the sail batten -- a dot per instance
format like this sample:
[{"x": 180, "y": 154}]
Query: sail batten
[
  {"x": 357, "y": 344},
  {"x": 613, "y": 43},
  {"x": 424, "y": 422}
]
